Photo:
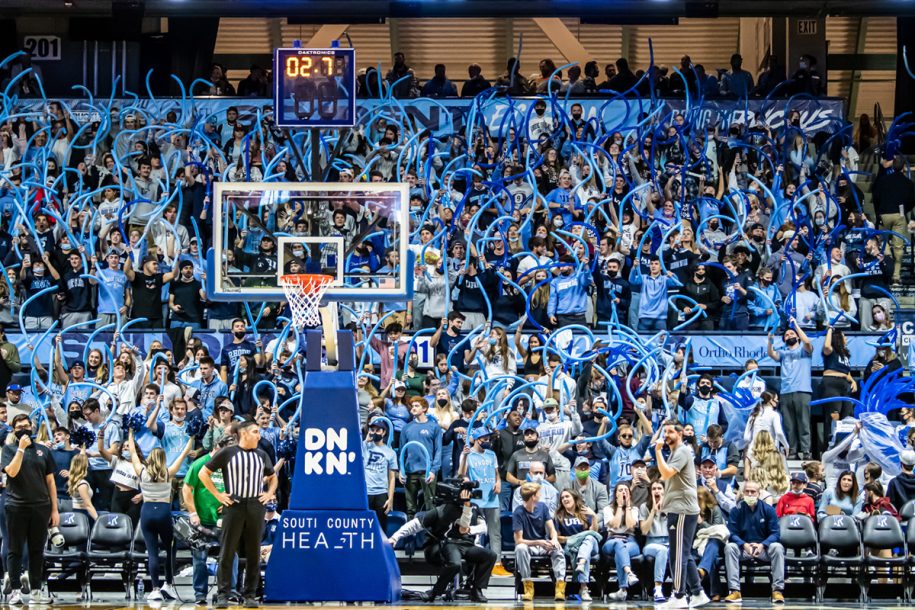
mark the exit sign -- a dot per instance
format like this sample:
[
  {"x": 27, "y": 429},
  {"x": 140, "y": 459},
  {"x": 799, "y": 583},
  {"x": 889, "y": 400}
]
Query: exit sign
[{"x": 807, "y": 27}]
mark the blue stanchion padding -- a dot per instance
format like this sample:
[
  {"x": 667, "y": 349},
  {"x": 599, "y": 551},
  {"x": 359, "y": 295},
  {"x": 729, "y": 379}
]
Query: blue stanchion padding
[{"x": 328, "y": 524}]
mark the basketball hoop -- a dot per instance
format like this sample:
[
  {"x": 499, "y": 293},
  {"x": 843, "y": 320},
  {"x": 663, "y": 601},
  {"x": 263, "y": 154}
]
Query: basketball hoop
[{"x": 304, "y": 293}]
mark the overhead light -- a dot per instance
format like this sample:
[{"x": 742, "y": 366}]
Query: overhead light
[{"x": 68, "y": 3}]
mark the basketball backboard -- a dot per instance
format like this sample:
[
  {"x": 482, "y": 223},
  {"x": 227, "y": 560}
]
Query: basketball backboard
[{"x": 264, "y": 230}]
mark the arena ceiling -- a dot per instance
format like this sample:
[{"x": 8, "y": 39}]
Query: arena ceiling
[{"x": 332, "y": 10}]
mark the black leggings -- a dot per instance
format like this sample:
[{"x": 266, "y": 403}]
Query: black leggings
[
  {"x": 376, "y": 503},
  {"x": 27, "y": 524},
  {"x": 122, "y": 502},
  {"x": 156, "y": 523},
  {"x": 834, "y": 387}
]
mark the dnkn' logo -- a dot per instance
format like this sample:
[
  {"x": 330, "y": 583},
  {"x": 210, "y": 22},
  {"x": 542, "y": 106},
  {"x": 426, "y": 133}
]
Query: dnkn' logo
[{"x": 326, "y": 451}]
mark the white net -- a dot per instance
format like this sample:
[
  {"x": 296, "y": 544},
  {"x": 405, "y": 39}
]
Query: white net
[{"x": 304, "y": 293}]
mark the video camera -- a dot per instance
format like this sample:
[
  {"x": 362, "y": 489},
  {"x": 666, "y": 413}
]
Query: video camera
[
  {"x": 449, "y": 490},
  {"x": 197, "y": 537}
]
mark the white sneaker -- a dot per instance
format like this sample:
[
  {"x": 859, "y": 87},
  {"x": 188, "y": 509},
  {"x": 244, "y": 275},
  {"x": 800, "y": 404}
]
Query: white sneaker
[
  {"x": 38, "y": 597},
  {"x": 585, "y": 595},
  {"x": 698, "y": 600},
  {"x": 659, "y": 597},
  {"x": 632, "y": 579},
  {"x": 674, "y": 603},
  {"x": 15, "y": 599},
  {"x": 154, "y": 596},
  {"x": 168, "y": 592},
  {"x": 619, "y": 596}
]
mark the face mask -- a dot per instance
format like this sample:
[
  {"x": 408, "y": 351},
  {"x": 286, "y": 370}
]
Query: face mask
[
  {"x": 582, "y": 475},
  {"x": 38, "y": 270},
  {"x": 21, "y": 433},
  {"x": 76, "y": 415},
  {"x": 791, "y": 342},
  {"x": 240, "y": 335},
  {"x": 552, "y": 416},
  {"x": 535, "y": 478},
  {"x": 532, "y": 443},
  {"x": 820, "y": 221},
  {"x": 486, "y": 445},
  {"x": 64, "y": 245},
  {"x": 798, "y": 492},
  {"x": 618, "y": 141},
  {"x": 442, "y": 402},
  {"x": 879, "y": 317},
  {"x": 493, "y": 341},
  {"x": 298, "y": 253},
  {"x": 705, "y": 390},
  {"x": 558, "y": 222},
  {"x": 576, "y": 116},
  {"x": 804, "y": 65},
  {"x": 751, "y": 502},
  {"x": 377, "y": 436},
  {"x": 688, "y": 439},
  {"x": 540, "y": 111}
]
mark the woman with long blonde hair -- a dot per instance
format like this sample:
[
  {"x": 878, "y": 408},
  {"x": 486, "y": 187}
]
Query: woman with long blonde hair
[
  {"x": 540, "y": 298},
  {"x": 156, "y": 515},
  {"x": 79, "y": 488},
  {"x": 765, "y": 465},
  {"x": 493, "y": 347}
]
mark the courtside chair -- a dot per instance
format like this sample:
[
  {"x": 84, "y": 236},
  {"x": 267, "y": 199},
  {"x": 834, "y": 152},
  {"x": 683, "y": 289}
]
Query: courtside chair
[
  {"x": 110, "y": 545},
  {"x": 842, "y": 553}
]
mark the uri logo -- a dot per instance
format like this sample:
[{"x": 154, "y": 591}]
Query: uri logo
[{"x": 326, "y": 451}]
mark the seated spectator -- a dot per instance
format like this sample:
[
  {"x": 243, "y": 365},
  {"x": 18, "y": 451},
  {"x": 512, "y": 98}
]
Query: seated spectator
[
  {"x": 754, "y": 537},
  {"x": 476, "y": 84},
  {"x": 795, "y": 501},
  {"x": 592, "y": 492},
  {"x": 438, "y": 85},
  {"x": 722, "y": 490},
  {"x": 536, "y": 473},
  {"x": 535, "y": 534},
  {"x": 902, "y": 487},
  {"x": 621, "y": 519},
  {"x": 711, "y": 535},
  {"x": 842, "y": 499},
  {"x": 876, "y": 503},
  {"x": 576, "y": 525}
]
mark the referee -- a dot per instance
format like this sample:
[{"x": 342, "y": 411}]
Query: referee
[{"x": 244, "y": 470}]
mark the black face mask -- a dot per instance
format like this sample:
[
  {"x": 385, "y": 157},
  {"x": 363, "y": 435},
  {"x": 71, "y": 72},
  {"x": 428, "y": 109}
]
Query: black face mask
[
  {"x": 21, "y": 433},
  {"x": 705, "y": 390},
  {"x": 576, "y": 117},
  {"x": 442, "y": 402},
  {"x": 377, "y": 436},
  {"x": 540, "y": 111},
  {"x": 76, "y": 414},
  {"x": 531, "y": 443},
  {"x": 791, "y": 342},
  {"x": 486, "y": 445},
  {"x": 688, "y": 439},
  {"x": 240, "y": 334}
]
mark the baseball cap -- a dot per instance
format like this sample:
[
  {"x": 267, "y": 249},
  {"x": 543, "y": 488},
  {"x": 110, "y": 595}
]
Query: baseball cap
[
  {"x": 907, "y": 457},
  {"x": 400, "y": 385},
  {"x": 530, "y": 425},
  {"x": 638, "y": 461},
  {"x": 378, "y": 423},
  {"x": 185, "y": 263},
  {"x": 227, "y": 405},
  {"x": 481, "y": 432},
  {"x": 76, "y": 363},
  {"x": 112, "y": 252},
  {"x": 149, "y": 258},
  {"x": 711, "y": 459},
  {"x": 599, "y": 398},
  {"x": 550, "y": 403},
  {"x": 581, "y": 460},
  {"x": 14, "y": 387},
  {"x": 799, "y": 476}
]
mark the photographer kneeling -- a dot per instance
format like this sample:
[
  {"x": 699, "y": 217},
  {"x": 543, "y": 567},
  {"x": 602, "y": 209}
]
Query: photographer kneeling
[{"x": 453, "y": 526}]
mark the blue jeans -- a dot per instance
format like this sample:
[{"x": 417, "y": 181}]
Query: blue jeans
[
  {"x": 622, "y": 552},
  {"x": 660, "y": 551},
  {"x": 709, "y": 563},
  {"x": 505, "y": 496},
  {"x": 653, "y": 324},
  {"x": 201, "y": 576},
  {"x": 180, "y": 324},
  {"x": 586, "y": 551}
]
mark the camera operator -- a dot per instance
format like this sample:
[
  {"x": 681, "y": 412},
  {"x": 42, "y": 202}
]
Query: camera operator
[
  {"x": 453, "y": 526},
  {"x": 204, "y": 511},
  {"x": 31, "y": 506}
]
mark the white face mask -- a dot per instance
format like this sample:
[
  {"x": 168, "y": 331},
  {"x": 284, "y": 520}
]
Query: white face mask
[
  {"x": 537, "y": 478},
  {"x": 751, "y": 502},
  {"x": 552, "y": 416}
]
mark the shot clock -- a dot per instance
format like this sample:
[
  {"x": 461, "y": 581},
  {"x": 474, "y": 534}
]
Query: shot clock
[{"x": 314, "y": 87}]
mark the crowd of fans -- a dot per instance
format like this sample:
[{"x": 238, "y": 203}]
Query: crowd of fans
[{"x": 657, "y": 224}]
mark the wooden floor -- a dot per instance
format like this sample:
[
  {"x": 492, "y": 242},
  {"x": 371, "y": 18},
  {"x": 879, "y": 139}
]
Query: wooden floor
[{"x": 747, "y": 603}]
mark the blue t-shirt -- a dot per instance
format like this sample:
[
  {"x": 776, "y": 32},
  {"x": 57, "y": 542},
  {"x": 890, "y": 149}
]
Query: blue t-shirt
[
  {"x": 378, "y": 460},
  {"x": 532, "y": 525},
  {"x": 796, "y": 363},
  {"x": 173, "y": 441},
  {"x": 232, "y": 352},
  {"x": 482, "y": 467},
  {"x": 111, "y": 299},
  {"x": 569, "y": 526}
]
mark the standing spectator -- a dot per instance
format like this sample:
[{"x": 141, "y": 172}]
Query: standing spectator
[
  {"x": 256, "y": 84},
  {"x": 439, "y": 85},
  {"x": 476, "y": 84},
  {"x": 203, "y": 509},
  {"x": 754, "y": 535},
  {"x": 156, "y": 514},
  {"x": 796, "y": 361},
  {"x": 9, "y": 361},
  {"x": 678, "y": 470},
  {"x": 653, "y": 295},
  {"x": 147, "y": 291},
  {"x": 234, "y": 351},
  {"x": 795, "y": 501},
  {"x": 380, "y": 463},
  {"x": 113, "y": 294},
  {"x": 569, "y": 293},
  {"x": 508, "y": 440},
  {"x": 246, "y": 470},
  {"x": 401, "y": 74},
  {"x": 738, "y": 82},
  {"x": 479, "y": 464},
  {"x": 894, "y": 200},
  {"x": 535, "y": 534},
  {"x": 31, "y": 507},
  {"x": 77, "y": 295},
  {"x": 417, "y": 472}
]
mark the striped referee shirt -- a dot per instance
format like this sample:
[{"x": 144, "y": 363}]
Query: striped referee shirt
[{"x": 243, "y": 470}]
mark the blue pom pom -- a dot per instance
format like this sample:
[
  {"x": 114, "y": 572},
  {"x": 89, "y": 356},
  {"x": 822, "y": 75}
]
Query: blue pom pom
[
  {"x": 197, "y": 428},
  {"x": 286, "y": 448},
  {"x": 83, "y": 437},
  {"x": 136, "y": 422}
]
